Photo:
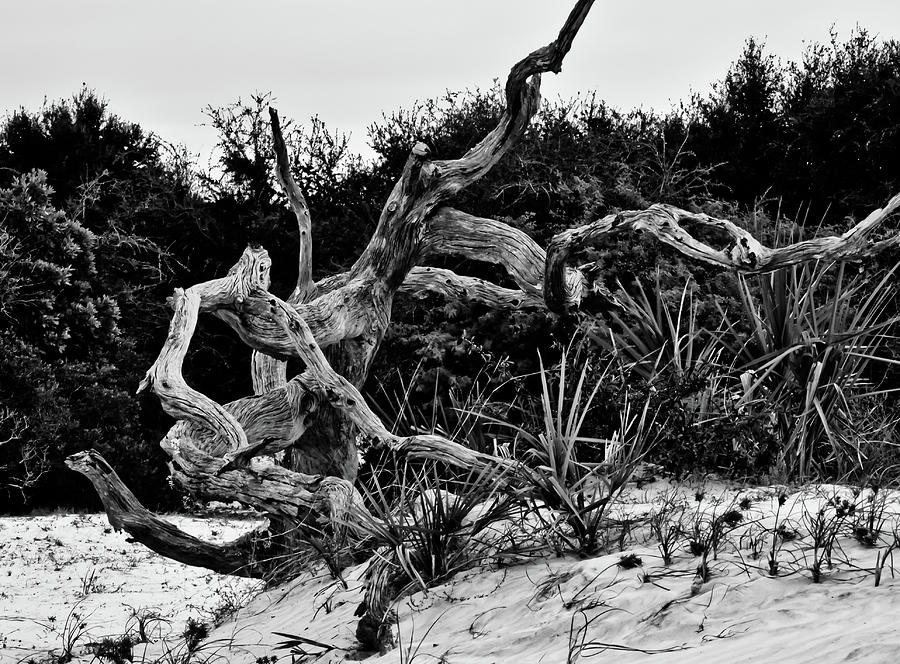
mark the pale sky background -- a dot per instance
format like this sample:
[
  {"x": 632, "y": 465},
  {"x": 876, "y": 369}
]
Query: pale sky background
[{"x": 159, "y": 62}]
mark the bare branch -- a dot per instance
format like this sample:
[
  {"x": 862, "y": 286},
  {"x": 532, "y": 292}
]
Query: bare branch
[
  {"x": 272, "y": 421},
  {"x": 267, "y": 372},
  {"x": 522, "y": 99},
  {"x": 453, "y": 286},
  {"x": 246, "y": 427},
  {"x": 341, "y": 314},
  {"x": 241, "y": 300},
  {"x": 450, "y": 231},
  {"x": 425, "y": 184},
  {"x": 744, "y": 254},
  {"x": 126, "y": 513},
  {"x": 305, "y": 287},
  {"x": 341, "y": 394},
  {"x": 177, "y": 398}
]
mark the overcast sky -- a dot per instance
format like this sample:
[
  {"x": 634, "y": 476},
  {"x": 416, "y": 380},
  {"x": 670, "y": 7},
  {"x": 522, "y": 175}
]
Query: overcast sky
[{"x": 160, "y": 62}]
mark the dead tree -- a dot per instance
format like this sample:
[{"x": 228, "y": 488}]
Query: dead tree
[{"x": 335, "y": 326}]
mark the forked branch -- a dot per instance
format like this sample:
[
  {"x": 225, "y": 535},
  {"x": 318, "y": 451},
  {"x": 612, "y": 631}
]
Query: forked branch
[
  {"x": 743, "y": 254},
  {"x": 125, "y": 512},
  {"x": 180, "y": 400},
  {"x": 522, "y": 98},
  {"x": 452, "y": 232},
  {"x": 426, "y": 184},
  {"x": 213, "y": 448}
]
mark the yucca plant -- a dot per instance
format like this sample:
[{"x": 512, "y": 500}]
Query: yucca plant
[
  {"x": 647, "y": 335},
  {"x": 423, "y": 529},
  {"x": 461, "y": 414},
  {"x": 814, "y": 361},
  {"x": 824, "y": 525},
  {"x": 661, "y": 347},
  {"x": 425, "y": 518},
  {"x": 575, "y": 475}
]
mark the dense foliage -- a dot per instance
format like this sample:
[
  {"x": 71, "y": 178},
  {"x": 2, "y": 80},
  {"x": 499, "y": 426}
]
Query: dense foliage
[{"x": 100, "y": 219}]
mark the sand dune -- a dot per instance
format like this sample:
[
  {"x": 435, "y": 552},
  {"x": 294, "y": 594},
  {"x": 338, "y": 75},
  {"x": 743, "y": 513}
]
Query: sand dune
[{"x": 544, "y": 609}]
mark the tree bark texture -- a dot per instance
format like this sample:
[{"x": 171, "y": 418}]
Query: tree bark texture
[{"x": 319, "y": 418}]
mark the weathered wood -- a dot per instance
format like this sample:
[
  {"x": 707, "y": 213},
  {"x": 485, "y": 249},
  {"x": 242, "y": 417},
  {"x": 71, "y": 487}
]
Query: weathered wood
[
  {"x": 422, "y": 280},
  {"x": 261, "y": 484},
  {"x": 215, "y": 449},
  {"x": 267, "y": 372},
  {"x": 744, "y": 253},
  {"x": 305, "y": 289},
  {"x": 125, "y": 512},
  {"x": 177, "y": 398},
  {"x": 273, "y": 422},
  {"x": 344, "y": 396},
  {"x": 425, "y": 184},
  {"x": 452, "y": 232},
  {"x": 340, "y": 314}
]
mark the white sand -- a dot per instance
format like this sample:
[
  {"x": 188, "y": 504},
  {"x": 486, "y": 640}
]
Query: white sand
[
  {"x": 551, "y": 610},
  {"x": 45, "y": 561}
]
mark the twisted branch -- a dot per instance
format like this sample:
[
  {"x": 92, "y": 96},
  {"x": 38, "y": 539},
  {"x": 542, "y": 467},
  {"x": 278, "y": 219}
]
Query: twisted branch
[
  {"x": 744, "y": 253},
  {"x": 125, "y": 512},
  {"x": 456, "y": 287},
  {"x": 213, "y": 448}
]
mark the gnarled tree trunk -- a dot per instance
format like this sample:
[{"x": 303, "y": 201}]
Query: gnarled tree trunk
[{"x": 318, "y": 418}]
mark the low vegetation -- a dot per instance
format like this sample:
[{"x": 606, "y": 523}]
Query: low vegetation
[
  {"x": 88, "y": 247},
  {"x": 664, "y": 368}
]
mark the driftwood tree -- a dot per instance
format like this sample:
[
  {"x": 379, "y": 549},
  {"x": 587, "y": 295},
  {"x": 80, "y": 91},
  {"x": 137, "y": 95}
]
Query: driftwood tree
[{"x": 335, "y": 326}]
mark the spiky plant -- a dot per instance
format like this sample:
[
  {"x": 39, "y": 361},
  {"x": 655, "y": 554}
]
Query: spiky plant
[
  {"x": 814, "y": 360},
  {"x": 575, "y": 475},
  {"x": 422, "y": 530},
  {"x": 647, "y": 335}
]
